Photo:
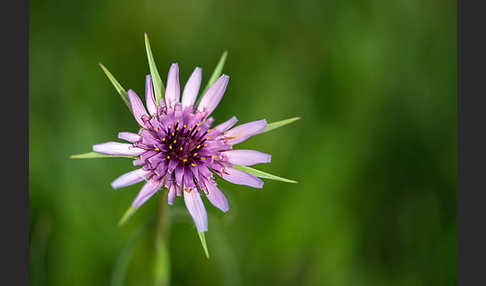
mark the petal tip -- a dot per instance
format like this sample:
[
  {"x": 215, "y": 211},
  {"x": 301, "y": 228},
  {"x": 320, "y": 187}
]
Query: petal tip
[
  {"x": 96, "y": 148},
  {"x": 258, "y": 184}
]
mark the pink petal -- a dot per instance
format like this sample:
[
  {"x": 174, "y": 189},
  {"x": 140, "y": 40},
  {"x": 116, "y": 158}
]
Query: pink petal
[
  {"x": 213, "y": 95},
  {"x": 246, "y": 157},
  {"x": 172, "y": 164},
  {"x": 173, "y": 90},
  {"x": 226, "y": 125},
  {"x": 242, "y": 132},
  {"x": 204, "y": 171},
  {"x": 179, "y": 173},
  {"x": 116, "y": 148},
  {"x": 188, "y": 179},
  {"x": 192, "y": 88},
  {"x": 161, "y": 169},
  {"x": 147, "y": 191},
  {"x": 194, "y": 171},
  {"x": 215, "y": 196},
  {"x": 196, "y": 209},
  {"x": 130, "y": 178},
  {"x": 137, "y": 107},
  {"x": 129, "y": 136},
  {"x": 208, "y": 122},
  {"x": 171, "y": 195},
  {"x": 149, "y": 96},
  {"x": 155, "y": 159},
  {"x": 241, "y": 178}
]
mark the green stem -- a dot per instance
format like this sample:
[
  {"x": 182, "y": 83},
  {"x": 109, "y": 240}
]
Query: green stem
[{"x": 162, "y": 258}]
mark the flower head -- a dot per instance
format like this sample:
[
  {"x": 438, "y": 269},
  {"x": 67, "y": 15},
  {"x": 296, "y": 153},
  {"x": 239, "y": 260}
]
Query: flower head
[{"x": 176, "y": 147}]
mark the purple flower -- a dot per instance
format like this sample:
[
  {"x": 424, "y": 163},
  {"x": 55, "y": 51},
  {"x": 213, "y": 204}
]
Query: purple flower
[{"x": 176, "y": 147}]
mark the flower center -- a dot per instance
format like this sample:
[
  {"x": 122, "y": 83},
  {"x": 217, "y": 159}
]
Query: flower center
[{"x": 185, "y": 143}]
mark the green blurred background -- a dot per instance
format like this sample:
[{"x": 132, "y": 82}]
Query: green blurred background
[{"x": 374, "y": 153}]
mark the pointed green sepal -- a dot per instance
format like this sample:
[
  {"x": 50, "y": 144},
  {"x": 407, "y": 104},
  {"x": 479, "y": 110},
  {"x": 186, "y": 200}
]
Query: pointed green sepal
[
  {"x": 123, "y": 93},
  {"x": 202, "y": 237},
  {"x": 278, "y": 124},
  {"x": 262, "y": 174},
  {"x": 217, "y": 71},
  {"x": 156, "y": 81},
  {"x": 131, "y": 210},
  {"x": 93, "y": 155}
]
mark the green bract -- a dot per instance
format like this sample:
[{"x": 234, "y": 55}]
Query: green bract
[
  {"x": 156, "y": 81},
  {"x": 123, "y": 93},
  {"x": 262, "y": 174}
]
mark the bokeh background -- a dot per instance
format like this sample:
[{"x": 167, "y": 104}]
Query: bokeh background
[{"x": 374, "y": 153}]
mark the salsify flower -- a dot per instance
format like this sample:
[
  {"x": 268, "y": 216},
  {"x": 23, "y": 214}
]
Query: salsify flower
[{"x": 177, "y": 148}]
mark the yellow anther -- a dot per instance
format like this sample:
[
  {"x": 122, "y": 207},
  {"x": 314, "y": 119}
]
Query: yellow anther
[
  {"x": 170, "y": 147},
  {"x": 155, "y": 129},
  {"x": 175, "y": 141},
  {"x": 214, "y": 157},
  {"x": 199, "y": 129},
  {"x": 163, "y": 139},
  {"x": 195, "y": 154},
  {"x": 203, "y": 158},
  {"x": 169, "y": 125},
  {"x": 185, "y": 126},
  {"x": 197, "y": 124},
  {"x": 177, "y": 120},
  {"x": 168, "y": 157},
  {"x": 192, "y": 164},
  {"x": 172, "y": 133},
  {"x": 209, "y": 130},
  {"x": 157, "y": 149},
  {"x": 205, "y": 145},
  {"x": 185, "y": 160},
  {"x": 180, "y": 148},
  {"x": 198, "y": 146},
  {"x": 190, "y": 128}
]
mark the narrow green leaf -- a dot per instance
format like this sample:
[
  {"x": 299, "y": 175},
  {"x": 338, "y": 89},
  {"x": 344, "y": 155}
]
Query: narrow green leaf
[
  {"x": 123, "y": 93},
  {"x": 92, "y": 155},
  {"x": 131, "y": 210},
  {"x": 262, "y": 174},
  {"x": 278, "y": 124},
  {"x": 217, "y": 71},
  {"x": 157, "y": 82},
  {"x": 121, "y": 264},
  {"x": 162, "y": 263},
  {"x": 202, "y": 237}
]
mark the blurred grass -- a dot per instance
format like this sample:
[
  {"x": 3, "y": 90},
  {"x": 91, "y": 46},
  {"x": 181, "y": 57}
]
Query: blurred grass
[{"x": 374, "y": 153}]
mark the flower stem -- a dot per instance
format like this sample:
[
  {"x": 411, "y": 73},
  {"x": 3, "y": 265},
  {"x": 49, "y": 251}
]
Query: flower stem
[{"x": 162, "y": 258}]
